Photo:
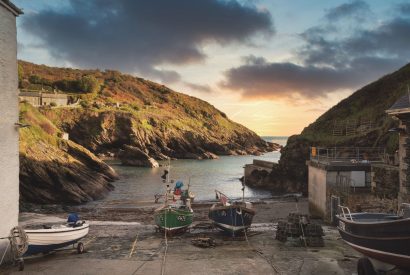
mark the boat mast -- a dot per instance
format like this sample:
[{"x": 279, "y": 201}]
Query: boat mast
[
  {"x": 167, "y": 181},
  {"x": 243, "y": 188}
]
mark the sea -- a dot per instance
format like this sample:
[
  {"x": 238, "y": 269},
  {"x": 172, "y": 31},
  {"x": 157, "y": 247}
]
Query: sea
[{"x": 140, "y": 184}]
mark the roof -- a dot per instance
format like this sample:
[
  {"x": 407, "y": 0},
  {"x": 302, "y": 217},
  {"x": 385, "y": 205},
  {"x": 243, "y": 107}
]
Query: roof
[
  {"x": 30, "y": 94},
  {"x": 51, "y": 95},
  {"x": 11, "y": 7},
  {"x": 401, "y": 106}
]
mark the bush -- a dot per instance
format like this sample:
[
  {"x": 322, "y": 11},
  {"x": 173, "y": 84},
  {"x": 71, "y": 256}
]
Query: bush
[
  {"x": 67, "y": 85},
  {"x": 53, "y": 104},
  {"x": 35, "y": 79},
  {"x": 84, "y": 104},
  {"x": 89, "y": 84}
]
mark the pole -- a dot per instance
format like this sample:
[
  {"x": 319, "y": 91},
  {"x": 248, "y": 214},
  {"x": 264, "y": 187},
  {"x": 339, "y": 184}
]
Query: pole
[{"x": 243, "y": 187}]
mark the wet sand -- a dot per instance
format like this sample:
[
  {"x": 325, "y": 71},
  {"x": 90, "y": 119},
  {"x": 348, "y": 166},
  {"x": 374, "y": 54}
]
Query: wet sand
[{"x": 124, "y": 241}]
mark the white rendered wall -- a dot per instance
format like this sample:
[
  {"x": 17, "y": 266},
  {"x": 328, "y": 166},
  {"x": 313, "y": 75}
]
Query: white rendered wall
[
  {"x": 317, "y": 190},
  {"x": 9, "y": 158}
]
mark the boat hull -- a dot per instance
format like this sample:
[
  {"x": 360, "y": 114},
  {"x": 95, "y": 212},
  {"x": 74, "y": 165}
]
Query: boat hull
[
  {"x": 171, "y": 219},
  {"x": 46, "y": 240},
  {"x": 387, "y": 240},
  {"x": 231, "y": 219}
]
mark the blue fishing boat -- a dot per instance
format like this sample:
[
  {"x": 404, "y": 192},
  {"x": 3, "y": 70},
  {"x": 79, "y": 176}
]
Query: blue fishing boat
[{"x": 232, "y": 217}]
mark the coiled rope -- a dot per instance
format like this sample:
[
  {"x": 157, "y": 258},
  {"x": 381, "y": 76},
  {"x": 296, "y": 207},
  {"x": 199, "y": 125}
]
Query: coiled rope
[{"x": 18, "y": 242}]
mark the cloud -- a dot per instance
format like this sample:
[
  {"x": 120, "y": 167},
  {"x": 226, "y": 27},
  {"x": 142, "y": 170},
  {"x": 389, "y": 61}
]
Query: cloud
[
  {"x": 198, "y": 87},
  {"x": 283, "y": 80},
  {"x": 139, "y": 36},
  {"x": 329, "y": 60},
  {"x": 403, "y": 8},
  {"x": 357, "y": 10}
]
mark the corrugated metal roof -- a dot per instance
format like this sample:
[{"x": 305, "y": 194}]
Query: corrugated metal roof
[{"x": 402, "y": 103}]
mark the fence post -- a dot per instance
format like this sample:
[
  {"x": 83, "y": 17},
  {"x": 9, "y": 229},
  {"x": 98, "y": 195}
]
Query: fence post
[{"x": 385, "y": 160}]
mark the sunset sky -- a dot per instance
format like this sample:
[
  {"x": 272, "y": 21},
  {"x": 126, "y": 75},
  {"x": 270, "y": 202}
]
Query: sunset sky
[{"x": 271, "y": 65}]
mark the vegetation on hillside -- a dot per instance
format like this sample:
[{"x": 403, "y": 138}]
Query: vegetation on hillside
[
  {"x": 117, "y": 109},
  {"x": 367, "y": 104},
  {"x": 53, "y": 170}
]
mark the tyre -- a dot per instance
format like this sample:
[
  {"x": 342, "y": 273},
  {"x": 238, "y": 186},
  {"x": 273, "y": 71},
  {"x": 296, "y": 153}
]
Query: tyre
[
  {"x": 21, "y": 265},
  {"x": 365, "y": 267},
  {"x": 80, "y": 248}
]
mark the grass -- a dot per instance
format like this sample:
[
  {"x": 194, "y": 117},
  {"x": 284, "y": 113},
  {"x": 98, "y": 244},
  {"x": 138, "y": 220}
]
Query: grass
[{"x": 40, "y": 129}]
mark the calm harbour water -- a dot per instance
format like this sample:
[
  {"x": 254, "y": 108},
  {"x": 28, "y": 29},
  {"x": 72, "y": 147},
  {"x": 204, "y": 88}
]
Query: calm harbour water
[{"x": 137, "y": 184}]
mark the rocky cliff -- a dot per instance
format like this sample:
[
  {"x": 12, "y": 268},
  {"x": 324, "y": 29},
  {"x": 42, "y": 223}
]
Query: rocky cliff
[
  {"x": 363, "y": 113},
  {"x": 117, "y": 115},
  {"x": 53, "y": 170},
  {"x": 116, "y": 109}
]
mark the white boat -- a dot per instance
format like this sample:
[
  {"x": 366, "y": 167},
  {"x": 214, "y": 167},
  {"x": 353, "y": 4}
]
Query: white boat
[{"x": 57, "y": 236}]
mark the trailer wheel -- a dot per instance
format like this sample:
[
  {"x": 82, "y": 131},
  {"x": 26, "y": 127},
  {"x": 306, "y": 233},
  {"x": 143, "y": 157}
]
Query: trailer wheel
[
  {"x": 21, "y": 265},
  {"x": 365, "y": 267},
  {"x": 80, "y": 248}
]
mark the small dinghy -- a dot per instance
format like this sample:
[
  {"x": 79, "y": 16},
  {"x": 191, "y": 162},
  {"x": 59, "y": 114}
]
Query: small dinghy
[
  {"x": 383, "y": 238},
  {"x": 49, "y": 238},
  {"x": 232, "y": 217}
]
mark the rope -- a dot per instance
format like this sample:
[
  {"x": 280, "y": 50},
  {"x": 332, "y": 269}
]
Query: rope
[
  {"x": 151, "y": 258},
  {"x": 276, "y": 269},
  {"x": 4, "y": 254},
  {"x": 18, "y": 243},
  {"x": 166, "y": 244},
  {"x": 133, "y": 246},
  {"x": 303, "y": 233}
]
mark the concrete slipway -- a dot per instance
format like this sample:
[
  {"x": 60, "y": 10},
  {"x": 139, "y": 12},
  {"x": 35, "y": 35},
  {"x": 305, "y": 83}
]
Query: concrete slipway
[{"x": 118, "y": 247}]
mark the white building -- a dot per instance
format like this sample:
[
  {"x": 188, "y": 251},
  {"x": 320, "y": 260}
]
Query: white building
[{"x": 9, "y": 115}]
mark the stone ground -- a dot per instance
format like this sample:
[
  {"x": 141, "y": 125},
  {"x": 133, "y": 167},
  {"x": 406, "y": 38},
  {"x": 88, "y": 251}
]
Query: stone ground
[{"x": 123, "y": 247}]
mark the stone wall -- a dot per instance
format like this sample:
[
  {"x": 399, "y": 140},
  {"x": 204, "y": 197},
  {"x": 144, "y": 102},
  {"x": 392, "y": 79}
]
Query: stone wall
[
  {"x": 9, "y": 158},
  {"x": 57, "y": 99},
  {"x": 370, "y": 202},
  {"x": 404, "y": 153},
  {"x": 258, "y": 165},
  {"x": 385, "y": 181}
]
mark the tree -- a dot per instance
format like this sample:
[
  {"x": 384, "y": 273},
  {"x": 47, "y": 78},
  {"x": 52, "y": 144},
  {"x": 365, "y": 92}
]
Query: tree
[
  {"x": 20, "y": 73},
  {"x": 89, "y": 84}
]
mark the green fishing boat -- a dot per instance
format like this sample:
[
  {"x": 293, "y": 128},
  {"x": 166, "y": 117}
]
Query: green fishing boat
[
  {"x": 176, "y": 214},
  {"x": 174, "y": 218}
]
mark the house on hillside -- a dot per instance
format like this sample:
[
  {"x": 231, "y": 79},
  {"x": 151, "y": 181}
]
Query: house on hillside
[
  {"x": 34, "y": 98},
  {"x": 54, "y": 99},
  {"x": 44, "y": 99},
  {"x": 9, "y": 116}
]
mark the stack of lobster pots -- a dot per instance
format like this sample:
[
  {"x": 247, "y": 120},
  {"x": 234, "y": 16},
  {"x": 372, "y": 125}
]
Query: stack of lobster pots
[{"x": 299, "y": 231}]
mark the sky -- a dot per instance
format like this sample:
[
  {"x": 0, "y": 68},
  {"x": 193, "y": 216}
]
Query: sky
[{"x": 272, "y": 65}]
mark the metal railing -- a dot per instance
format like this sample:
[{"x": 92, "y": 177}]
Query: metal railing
[
  {"x": 348, "y": 155},
  {"x": 345, "y": 213}
]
